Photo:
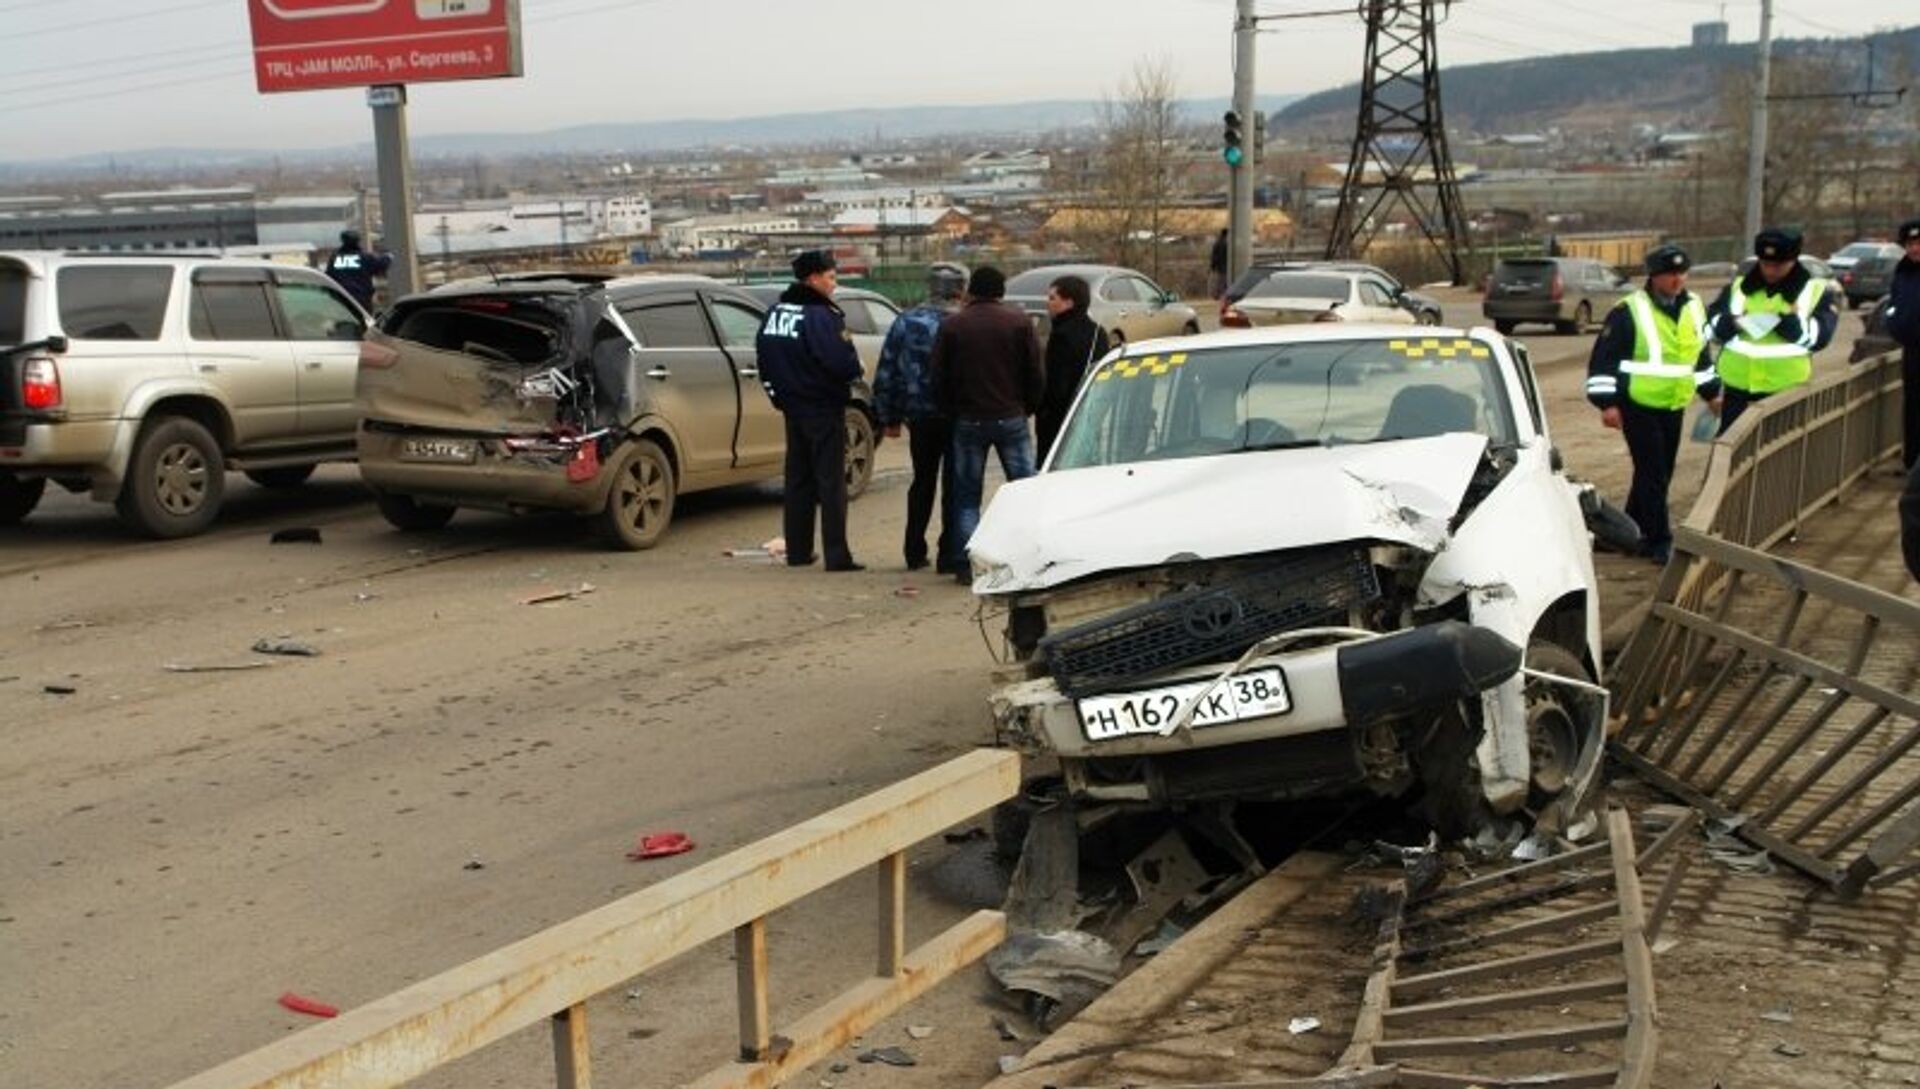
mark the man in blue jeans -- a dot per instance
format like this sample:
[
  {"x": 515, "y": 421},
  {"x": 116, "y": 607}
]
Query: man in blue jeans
[{"x": 988, "y": 377}]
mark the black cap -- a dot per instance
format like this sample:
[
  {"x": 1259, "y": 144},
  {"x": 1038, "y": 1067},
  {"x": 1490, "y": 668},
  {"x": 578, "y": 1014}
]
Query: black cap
[
  {"x": 1908, "y": 231},
  {"x": 1777, "y": 244},
  {"x": 810, "y": 262},
  {"x": 987, "y": 282},
  {"x": 1667, "y": 258},
  {"x": 945, "y": 280}
]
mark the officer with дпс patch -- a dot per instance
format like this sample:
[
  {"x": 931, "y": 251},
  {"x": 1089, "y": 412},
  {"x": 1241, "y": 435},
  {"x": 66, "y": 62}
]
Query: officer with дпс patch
[
  {"x": 1769, "y": 323},
  {"x": 1647, "y": 365},
  {"x": 354, "y": 268},
  {"x": 808, "y": 366}
]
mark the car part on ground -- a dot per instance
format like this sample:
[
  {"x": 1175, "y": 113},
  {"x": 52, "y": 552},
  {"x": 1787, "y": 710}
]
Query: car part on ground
[
  {"x": 1318, "y": 560},
  {"x": 605, "y": 397},
  {"x": 143, "y": 379}
]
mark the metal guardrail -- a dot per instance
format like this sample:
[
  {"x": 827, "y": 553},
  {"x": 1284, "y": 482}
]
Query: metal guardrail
[
  {"x": 551, "y": 975},
  {"x": 1727, "y": 696}
]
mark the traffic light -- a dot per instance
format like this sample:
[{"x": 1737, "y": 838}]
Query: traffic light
[{"x": 1233, "y": 137}]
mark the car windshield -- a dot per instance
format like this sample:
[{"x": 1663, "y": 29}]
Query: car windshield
[
  {"x": 1265, "y": 397},
  {"x": 1859, "y": 249},
  {"x": 1300, "y": 285}
]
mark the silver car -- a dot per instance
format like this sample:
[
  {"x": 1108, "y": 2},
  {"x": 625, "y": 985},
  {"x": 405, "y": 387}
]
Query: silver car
[
  {"x": 1125, "y": 303},
  {"x": 869, "y": 316}
]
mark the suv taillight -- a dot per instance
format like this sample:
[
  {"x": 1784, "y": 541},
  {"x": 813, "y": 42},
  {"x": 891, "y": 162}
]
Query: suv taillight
[
  {"x": 376, "y": 356},
  {"x": 1557, "y": 288},
  {"x": 1232, "y": 318},
  {"x": 40, "y": 384}
]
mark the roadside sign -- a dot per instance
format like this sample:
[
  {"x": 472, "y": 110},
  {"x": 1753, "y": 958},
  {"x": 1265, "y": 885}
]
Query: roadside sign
[{"x": 305, "y": 45}]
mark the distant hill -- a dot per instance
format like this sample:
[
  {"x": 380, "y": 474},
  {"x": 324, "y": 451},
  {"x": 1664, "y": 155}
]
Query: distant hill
[
  {"x": 1674, "y": 86},
  {"x": 1015, "y": 119}
]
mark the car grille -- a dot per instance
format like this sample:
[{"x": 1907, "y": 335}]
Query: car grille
[{"x": 1209, "y": 623}]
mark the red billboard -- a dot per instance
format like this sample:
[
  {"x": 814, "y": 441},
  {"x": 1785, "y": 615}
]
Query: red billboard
[{"x": 305, "y": 45}]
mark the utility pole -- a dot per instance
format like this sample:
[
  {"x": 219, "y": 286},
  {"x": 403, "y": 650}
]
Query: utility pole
[
  {"x": 1240, "y": 174},
  {"x": 1757, "y": 141},
  {"x": 395, "y": 168}
]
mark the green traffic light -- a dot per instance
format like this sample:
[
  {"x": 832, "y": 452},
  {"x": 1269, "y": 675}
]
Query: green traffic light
[{"x": 1233, "y": 155}]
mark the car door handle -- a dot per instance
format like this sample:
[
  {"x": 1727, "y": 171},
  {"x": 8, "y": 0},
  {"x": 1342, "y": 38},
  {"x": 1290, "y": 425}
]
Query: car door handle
[
  {"x": 659, "y": 372},
  {"x": 314, "y": 364}
]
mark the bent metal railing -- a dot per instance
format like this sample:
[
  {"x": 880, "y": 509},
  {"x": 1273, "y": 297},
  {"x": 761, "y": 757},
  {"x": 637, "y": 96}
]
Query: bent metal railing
[
  {"x": 552, "y": 974},
  {"x": 1729, "y": 696}
]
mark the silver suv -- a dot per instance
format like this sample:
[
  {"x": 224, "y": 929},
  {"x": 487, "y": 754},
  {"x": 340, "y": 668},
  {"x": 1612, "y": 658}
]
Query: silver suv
[{"x": 142, "y": 379}]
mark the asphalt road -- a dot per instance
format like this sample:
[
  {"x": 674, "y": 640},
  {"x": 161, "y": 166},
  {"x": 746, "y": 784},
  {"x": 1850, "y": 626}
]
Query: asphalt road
[{"x": 179, "y": 848}]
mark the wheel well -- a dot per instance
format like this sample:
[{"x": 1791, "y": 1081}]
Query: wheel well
[
  {"x": 1564, "y": 623},
  {"x": 207, "y": 413},
  {"x": 659, "y": 438}
]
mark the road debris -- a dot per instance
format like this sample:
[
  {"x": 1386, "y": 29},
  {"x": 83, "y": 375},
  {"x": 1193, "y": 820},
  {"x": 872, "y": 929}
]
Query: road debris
[
  {"x": 1791, "y": 1051},
  {"x": 59, "y": 689},
  {"x": 892, "y": 1056},
  {"x": 295, "y": 535},
  {"x": 212, "y": 667},
  {"x": 1161, "y": 940},
  {"x": 1059, "y": 972},
  {"x": 965, "y": 835},
  {"x": 660, "y": 845},
  {"x": 474, "y": 863},
  {"x": 919, "y": 1032},
  {"x": 552, "y": 596},
  {"x": 291, "y": 648},
  {"x": 64, "y": 625},
  {"x": 1006, "y": 1030},
  {"x": 1009, "y": 1063},
  {"x": 1299, "y": 1025},
  {"x": 906, "y": 591},
  {"x": 1779, "y": 1017},
  {"x": 302, "y": 1004},
  {"x": 1729, "y": 851}
]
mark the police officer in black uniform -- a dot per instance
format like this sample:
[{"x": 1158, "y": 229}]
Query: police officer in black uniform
[
  {"x": 808, "y": 366},
  {"x": 354, "y": 269}
]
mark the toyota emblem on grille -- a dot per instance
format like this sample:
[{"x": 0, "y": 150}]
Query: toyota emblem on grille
[{"x": 1212, "y": 616}]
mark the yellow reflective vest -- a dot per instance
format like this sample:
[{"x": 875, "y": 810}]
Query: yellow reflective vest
[
  {"x": 1662, "y": 372},
  {"x": 1768, "y": 362}
]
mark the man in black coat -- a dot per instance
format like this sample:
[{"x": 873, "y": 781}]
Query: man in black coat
[
  {"x": 1903, "y": 324},
  {"x": 1075, "y": 342},
  {"x": 354, "y": 268},
  {"x": 808, "y": 366}
]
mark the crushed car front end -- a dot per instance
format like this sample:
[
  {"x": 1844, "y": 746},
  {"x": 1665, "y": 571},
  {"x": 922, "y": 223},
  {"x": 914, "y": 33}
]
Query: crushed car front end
[{"x": 1261, "y": 568}]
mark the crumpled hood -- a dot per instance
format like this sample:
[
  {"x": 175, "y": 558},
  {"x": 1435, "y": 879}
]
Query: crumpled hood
[{"x": 1060, "y": 526}]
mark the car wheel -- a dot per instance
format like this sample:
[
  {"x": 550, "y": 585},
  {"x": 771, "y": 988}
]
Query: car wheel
[
  {"x": 175, "y": 479},
  {"x": 283, "y": 476},
  {"x": 640, "y": 503},
  {"x": 1115, "y": 339},
  {"x": 1429, "y": 317},
  {"x": 18, "y": 497},
  {"x": 860, "y": 444},
  {"x": 410, "y": 515},
  {"x": 1190, "y": 329},
  {"x": 1554, "y": 736},
  {"x": 1504, "y": 328}
]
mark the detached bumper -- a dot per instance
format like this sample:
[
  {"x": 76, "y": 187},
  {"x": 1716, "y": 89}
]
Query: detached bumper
[{"x": 1350, "y": 685}]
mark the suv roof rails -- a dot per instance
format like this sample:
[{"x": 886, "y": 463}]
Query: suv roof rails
[{"x": 118, "y": 256}]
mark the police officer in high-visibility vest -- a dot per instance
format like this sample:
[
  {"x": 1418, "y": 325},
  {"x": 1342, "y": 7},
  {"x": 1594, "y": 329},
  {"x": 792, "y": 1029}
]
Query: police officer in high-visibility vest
[
  {"x": 1648, "y": 364},
  {"x": 1769, "y": 323}
]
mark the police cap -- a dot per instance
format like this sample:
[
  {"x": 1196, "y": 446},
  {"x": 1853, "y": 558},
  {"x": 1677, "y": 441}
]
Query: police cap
[
  {"x": 1667, "y": 259},
  {"x": 1909, "y": 231},
  {"x": 349, "y": 238},
  {"x": 812, "y": 262},
  {"x": 1777, "y": 244}
]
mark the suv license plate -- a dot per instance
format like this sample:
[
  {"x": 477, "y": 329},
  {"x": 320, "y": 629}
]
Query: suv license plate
[
  {"x": 1253, "y": 694},
  {"x": 456, "y": 451}
]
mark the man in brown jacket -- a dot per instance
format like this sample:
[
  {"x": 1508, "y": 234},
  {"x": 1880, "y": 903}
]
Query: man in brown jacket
[{"x": 988, "y": 377}]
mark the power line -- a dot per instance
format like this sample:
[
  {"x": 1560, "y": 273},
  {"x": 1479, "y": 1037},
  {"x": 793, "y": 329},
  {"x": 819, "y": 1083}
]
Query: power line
[{"x": 36, "y": 32}]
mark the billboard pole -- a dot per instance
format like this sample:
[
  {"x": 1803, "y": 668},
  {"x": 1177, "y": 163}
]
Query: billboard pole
[{"x": 394, "y": 164}]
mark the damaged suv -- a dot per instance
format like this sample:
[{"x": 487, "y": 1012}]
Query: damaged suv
[
  {"x": 1304, "y": 561},
  {"x": 600, "y": 396}
]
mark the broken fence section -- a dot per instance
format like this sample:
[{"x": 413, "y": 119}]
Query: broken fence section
[{"x": 1780, "y": 700}]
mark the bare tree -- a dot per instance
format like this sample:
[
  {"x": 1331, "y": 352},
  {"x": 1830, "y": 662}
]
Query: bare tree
[
  {"x": 1134, "y": 183},
  {"x": 1817, "y": 148}
]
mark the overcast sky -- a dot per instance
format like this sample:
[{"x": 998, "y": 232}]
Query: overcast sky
[{"x": 81, "y": 76}]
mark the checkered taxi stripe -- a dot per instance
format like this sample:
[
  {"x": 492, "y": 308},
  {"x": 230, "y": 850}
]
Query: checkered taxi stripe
[
  {"x": 1151, "y": 365},
  {"x": 1439, "y": 348}
]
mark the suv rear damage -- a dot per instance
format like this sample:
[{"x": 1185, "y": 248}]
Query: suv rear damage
[
  {"x": 1302, "y": 562},
  {"x": 584, "y": 394}
]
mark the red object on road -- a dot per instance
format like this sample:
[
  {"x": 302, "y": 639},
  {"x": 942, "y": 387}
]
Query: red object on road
[
  {"x": 660, "y": 845},
  {"x": 300, "y": 1004}
]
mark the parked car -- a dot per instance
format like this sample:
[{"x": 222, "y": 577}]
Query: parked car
[
  {"x": 1289, "y": 296},
  {"x": 1846, "y": 256},
  {"x": 1303, "y": 561},
  {"x": 603, "y": 397},
  {"x": 1874, "y": 338},
  {"x": 1424, "y": 308},
  {"x": 1125, "y": 303},
  {"x": 869, "y": 316},
  {"x": 143, "y": 380},
  {"x": 1568, "y": 293},
  {"x": 1870, "y": 278},
  {"x": 1815, "y": 267}
]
